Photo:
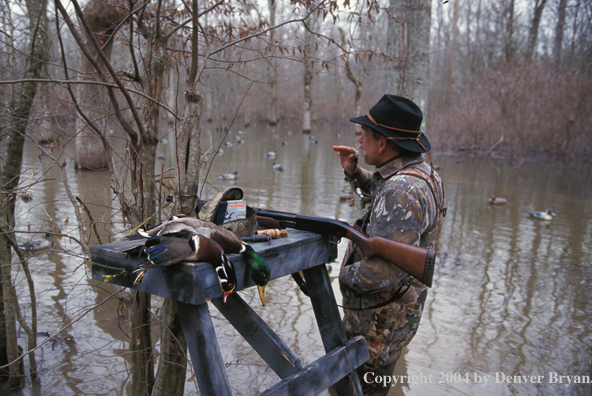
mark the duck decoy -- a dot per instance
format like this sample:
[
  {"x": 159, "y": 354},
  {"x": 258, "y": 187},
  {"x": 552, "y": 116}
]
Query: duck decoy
[
  {"x": 38, "y": 243},
  {"x": 493, "y": 200},
  {"x": 229, "y": 176},
  {"x": 271, "y": 154},
  {"x": 277, "y": 167},
  {"x": 26, "y": 197},
  {"x": 547, "y": 215},
  {"x": 185, "y": 228}
]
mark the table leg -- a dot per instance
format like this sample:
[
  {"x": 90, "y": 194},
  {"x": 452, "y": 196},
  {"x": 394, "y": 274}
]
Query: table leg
[
  {"x": 204, "y": 350},
  {"x": 329, "y": 322}
]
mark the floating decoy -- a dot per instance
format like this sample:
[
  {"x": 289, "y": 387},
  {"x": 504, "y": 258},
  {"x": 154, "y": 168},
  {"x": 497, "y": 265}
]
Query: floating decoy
[
  {"x": 26, "y": 197},
  {"x": 284, "y": 143},
  {"x": 164, "y": 141},
  {"x": 38, "y": 243},
  {"x": 237, "y": 138},
  {"x": 160, "y": 156},
  {"x": 229, "y": 176},
  {"x": 185, "y": 229},
  {"x": 271, "y": 154},
  {"x": 547, "y": 215},
  {"x": 289, "y": 133},
  {"x": 493, "y": 200},
  {"x": 277, "y": 167}
]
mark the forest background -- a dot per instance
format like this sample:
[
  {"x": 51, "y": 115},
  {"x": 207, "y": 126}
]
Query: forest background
[{"x": 504, "y": 77}]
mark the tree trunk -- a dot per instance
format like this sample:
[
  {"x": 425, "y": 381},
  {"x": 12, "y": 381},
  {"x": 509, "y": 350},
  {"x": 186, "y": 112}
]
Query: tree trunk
[
  {"x": 274, "y": 114},
  {"x": 172, "y": 365},
  {"x": 141, "y": 345},
  {"x": 20, "y": 108},
  {"x": 559, "y": 30},
  {"x": 309, "y": 56},
  {"x": 509, "y": 46},
  {"x": 103, "y": 18},
  {"x": 451, "y": 53},
  {"x": 356, "y": 81},
  {"x": 534, "y": 28},
  {"x": 408, "y": 43}
]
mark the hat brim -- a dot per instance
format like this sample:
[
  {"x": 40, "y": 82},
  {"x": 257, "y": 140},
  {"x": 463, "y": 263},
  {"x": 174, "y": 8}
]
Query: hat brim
[{"x": 407, "y": 144}]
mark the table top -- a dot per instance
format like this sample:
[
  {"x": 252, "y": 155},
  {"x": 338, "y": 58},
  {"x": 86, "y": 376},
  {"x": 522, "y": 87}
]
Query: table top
[{"x": 196, "y": 283}]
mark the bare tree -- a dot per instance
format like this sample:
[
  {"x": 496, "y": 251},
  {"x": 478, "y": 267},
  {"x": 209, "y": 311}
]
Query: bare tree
[
  {"x": 21, "y": 104},
  {"x": 408, "y": 48},
  {"x": 559, "y": 31},
  {"x": 533, "y": 33}
]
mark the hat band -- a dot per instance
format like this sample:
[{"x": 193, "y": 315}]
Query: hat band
[
  {"x": 406, "y": 138},
  {"x": 390, "y": 127}
]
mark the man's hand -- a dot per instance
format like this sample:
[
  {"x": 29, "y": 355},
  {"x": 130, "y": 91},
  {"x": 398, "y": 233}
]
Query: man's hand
[{"x": 347, "y": 158}]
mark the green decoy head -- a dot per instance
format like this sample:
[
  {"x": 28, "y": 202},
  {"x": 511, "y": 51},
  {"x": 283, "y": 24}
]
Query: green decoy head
[{"x": 258, "y": 270}]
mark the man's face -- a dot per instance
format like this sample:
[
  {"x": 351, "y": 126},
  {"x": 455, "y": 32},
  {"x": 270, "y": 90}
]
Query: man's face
[{"x": 370, "y": 146}]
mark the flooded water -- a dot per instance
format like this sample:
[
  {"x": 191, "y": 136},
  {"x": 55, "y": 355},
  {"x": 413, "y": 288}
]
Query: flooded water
[{"x": 511, "y": 301}]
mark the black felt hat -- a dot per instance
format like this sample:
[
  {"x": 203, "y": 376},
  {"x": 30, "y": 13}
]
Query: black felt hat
[{"x": 397, "y": 118}]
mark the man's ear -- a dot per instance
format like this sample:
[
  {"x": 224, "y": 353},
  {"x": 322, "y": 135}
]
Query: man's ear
[{"x": 383, "y": 144}]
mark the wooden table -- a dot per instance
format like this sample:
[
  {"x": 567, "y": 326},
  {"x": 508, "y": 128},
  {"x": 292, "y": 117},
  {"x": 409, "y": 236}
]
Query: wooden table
[{"x": 193, "y": 284}]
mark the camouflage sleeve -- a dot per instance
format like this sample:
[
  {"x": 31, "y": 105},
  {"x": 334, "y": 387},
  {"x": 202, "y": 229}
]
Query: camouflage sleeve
[
  {"x": 398, "y": 214},
  {"x": 364, "y": 180}
]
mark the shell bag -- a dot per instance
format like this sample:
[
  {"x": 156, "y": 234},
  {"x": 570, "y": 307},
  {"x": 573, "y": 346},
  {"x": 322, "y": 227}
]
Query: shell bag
[{"x": 229, "y": 211}]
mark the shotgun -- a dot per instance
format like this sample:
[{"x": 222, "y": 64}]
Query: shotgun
[{"x": 416, "y": 261}]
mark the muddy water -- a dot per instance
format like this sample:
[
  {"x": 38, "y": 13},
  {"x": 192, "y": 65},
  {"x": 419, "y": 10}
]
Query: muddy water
[{"x": 511, "y": 299}]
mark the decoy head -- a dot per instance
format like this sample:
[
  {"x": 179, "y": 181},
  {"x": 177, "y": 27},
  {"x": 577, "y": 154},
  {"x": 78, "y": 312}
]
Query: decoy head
[
  {"x": 550, "y": 212},
  {"x": 258, "y": 270}
]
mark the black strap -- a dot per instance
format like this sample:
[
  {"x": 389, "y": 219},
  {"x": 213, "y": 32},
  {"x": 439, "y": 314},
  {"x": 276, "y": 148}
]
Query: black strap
[{"x": 397, "y": 295}]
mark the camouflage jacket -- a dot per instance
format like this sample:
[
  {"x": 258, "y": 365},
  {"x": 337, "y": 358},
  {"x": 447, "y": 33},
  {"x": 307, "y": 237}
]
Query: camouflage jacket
[{"x": 403, "y": 207}]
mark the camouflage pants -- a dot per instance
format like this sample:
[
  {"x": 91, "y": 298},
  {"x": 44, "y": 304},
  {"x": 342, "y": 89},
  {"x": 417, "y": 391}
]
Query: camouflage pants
[{"x": 387, "y": 329}]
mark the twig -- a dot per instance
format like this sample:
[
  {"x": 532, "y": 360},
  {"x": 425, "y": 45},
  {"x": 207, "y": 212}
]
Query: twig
[{"x": 90, "y": 217}]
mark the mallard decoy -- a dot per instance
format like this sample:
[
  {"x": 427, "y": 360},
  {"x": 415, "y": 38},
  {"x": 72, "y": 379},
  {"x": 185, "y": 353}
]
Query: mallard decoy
[
  {"x": 271, "y": 154},
  {"x": 277, "y": 167},
  {"x": 229, "y": 176},
  {"x": 493, "y": 200},
  {"x": 547, "y": 215},
  {"x": 186, "y": 227},
  {"x": 38, "y": 243},
  {"x": 26, "y": 197}
]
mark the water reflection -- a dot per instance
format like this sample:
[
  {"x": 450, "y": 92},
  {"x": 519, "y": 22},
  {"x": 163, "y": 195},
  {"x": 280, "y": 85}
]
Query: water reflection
[{"x": 511, "y": 294}]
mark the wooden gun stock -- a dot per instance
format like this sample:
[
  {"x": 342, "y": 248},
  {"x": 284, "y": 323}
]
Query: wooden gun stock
[{"x": 416, "y": 261}]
